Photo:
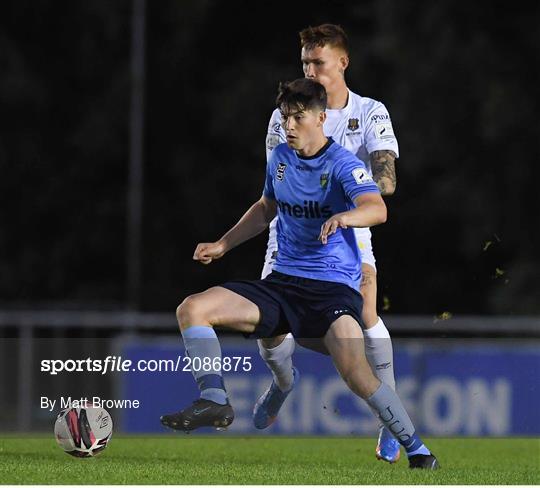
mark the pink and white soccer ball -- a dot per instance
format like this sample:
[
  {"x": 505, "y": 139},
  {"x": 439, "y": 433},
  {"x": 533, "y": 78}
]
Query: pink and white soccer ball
[{"x": 83, "y": 432}]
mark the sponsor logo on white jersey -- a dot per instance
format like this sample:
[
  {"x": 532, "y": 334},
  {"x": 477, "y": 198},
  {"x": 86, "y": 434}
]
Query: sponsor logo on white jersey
[
  {"x": 361, "y": 176},
  {"x": 384, "y": 131},
  {"x": 272, "y": 141},
  {"x": 377, "y": 118}
]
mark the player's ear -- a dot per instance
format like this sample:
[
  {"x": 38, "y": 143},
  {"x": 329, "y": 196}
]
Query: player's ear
[
  {"x": 344, "y": 62},
  {"x": 322, "y": 117}
]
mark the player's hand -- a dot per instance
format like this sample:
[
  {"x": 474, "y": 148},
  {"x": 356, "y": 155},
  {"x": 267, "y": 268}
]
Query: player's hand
[
  {"x": 206, "y": 252},
  {"x": 330, "y": 227}
]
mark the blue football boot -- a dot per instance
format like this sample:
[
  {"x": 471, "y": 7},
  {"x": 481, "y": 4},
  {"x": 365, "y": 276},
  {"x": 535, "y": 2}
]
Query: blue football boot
[
  {"x": 387, "y": 447},
  {"x": 266, "y": 409}
]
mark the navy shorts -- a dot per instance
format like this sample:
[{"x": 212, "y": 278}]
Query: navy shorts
[{"x": 302, "y": 306}]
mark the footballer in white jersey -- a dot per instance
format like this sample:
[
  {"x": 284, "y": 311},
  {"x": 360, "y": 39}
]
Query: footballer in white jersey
[{"x": 363, "y": 126}]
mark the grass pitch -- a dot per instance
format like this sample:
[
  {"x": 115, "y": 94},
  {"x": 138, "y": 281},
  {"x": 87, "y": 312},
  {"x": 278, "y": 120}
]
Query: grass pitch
[{"x": 182, "y": 459}]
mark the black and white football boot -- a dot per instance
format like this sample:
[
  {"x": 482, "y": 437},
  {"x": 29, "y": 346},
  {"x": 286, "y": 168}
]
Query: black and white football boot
[{"x": 423, "y": 461}]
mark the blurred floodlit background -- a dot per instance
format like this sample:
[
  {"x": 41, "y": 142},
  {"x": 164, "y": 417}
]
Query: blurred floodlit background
[{"x": 132, "y": 130}]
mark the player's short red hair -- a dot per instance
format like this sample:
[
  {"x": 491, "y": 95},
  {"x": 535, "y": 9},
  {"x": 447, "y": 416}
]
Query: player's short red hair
[{"x": 323, "y": 35}]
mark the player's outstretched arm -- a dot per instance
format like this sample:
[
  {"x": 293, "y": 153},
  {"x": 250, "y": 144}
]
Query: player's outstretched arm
[
  {"x": 252, "y": 223},
  {"x": 383, "y": 168},
  {"x": 370, "y": 210}
]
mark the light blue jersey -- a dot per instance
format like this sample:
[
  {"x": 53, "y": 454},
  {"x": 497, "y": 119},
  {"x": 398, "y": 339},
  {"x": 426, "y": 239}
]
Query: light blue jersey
[{"x": 308, "y": 191}]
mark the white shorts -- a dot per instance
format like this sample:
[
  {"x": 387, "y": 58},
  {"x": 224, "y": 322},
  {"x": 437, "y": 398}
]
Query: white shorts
[{"x": 363, "y": 239}]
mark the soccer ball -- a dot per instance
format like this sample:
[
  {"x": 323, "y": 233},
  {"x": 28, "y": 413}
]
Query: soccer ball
[{"x": 83, "y": 432}]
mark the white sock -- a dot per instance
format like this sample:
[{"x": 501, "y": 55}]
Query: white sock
[
  {"x": 421, "y": 450},
  {"x": 379, "y": 353},
  {"x": 279, "y": 361}
]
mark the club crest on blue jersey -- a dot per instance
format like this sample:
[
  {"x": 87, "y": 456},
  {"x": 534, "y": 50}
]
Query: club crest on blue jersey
[
  {"x": 280, "y": 172},
  {"x": 324, "y": 180},
  {"x": 353, "y": 124}
]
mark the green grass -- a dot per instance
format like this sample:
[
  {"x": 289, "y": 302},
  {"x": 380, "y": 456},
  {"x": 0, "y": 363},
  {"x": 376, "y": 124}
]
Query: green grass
[{"x": 182, "y": 459}]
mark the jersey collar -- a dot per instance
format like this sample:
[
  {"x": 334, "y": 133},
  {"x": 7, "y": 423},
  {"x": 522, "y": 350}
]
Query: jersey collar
[
  {"x": 346, "y": 107},
  {"x": 319, "y": 153}
]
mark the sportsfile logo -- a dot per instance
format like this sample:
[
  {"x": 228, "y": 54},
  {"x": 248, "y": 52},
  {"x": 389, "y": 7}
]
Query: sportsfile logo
[
  {"x": 116, "y": 364},
  {"x": 310, "y": 210}
]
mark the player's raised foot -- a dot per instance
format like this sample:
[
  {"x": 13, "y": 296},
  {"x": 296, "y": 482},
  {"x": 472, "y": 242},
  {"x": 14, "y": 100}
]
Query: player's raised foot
[
  {"x": 201, "y": 413},
  {"x": 387, "y": 447},
  {"x": 423, "y": 461},
  {"x": 267, "y": 407}
]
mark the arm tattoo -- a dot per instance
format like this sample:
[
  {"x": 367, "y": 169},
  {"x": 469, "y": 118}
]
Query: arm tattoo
[{"x": 384, "y": 170}]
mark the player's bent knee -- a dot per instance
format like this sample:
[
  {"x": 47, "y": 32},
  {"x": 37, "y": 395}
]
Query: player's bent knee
[
  {"x": 190, "y": 311},
  {"x": 273, "y": 342},
  {"x": 182, "y": 313}
]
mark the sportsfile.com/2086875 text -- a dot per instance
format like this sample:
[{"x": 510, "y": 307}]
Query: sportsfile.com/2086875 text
[{"x": 115, "y": 364}]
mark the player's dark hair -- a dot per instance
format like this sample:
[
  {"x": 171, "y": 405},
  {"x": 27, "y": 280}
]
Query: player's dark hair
[
  {"x": 325, "y": 34},
  {"x": 301, "y": 94}
]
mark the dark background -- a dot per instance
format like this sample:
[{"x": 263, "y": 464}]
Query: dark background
[{"x": 460, "y": 80}]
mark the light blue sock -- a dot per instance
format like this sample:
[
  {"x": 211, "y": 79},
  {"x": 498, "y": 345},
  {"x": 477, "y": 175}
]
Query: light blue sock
[
  {"x": 393, "y": 415},
  {"x": 202, "y": 346}
]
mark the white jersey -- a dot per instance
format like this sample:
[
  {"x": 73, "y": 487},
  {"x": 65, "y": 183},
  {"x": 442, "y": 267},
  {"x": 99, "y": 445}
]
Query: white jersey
[{"x": 362, "y": 126}]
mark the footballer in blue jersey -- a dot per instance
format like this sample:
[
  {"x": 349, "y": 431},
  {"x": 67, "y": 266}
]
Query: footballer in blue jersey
[
  {"x": 308, "y": 191},
  {"x": 319, "y": 192},
  {"x": 363, "y": 126}
]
